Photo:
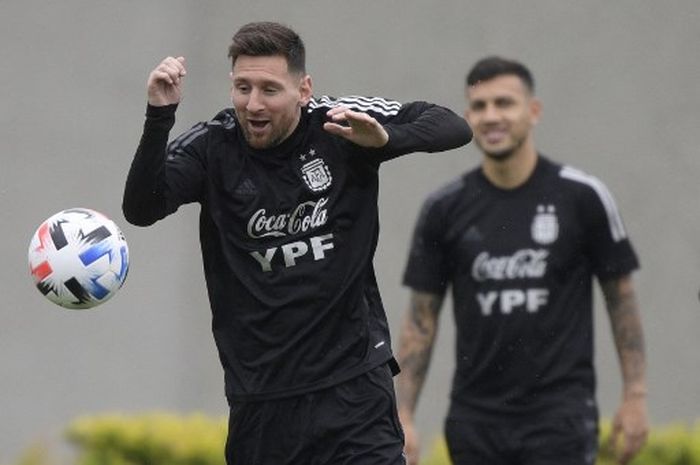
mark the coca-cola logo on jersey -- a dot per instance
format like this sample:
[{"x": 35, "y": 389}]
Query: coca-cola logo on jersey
[
  {"x": 306, "y": 216},
  {"x": 525, "y": 263}
]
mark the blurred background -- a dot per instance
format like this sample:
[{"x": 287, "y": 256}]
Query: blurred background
[{"x": 619, "y": 83}]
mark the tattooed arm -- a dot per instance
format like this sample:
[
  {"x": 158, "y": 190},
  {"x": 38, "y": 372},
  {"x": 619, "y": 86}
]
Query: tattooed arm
[
  {"x": 631, "y": 424},
  {"x": 415, "y": 347}
]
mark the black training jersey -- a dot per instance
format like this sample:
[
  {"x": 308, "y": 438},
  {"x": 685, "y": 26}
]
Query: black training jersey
[
  {"x": 287, "y": 236},
  {"x": 520, "y": 263}
]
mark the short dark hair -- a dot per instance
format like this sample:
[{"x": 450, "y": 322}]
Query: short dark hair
[
  {"x": 494, "y": 66},
  {"x": 268, "y": 39}
]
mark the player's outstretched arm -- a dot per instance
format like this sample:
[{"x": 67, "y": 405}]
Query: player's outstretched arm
[
  {"x": 164, "y": 84},
  {"x": 425, "y": 127},
  {"x": 631, "y": 423},
  {"x": 415, "y": 348},
  {"x": 362, "y": 129}
]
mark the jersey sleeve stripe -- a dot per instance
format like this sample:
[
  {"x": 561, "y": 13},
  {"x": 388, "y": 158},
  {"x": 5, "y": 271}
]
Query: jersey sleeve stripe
[
  {"x": 617, "y": 229},
  {"x": 354, "y": 102},
  {"x": 227, "y": 121},
  {"x": 359, "y": 100},
  {"x": 186, "y": 138}
]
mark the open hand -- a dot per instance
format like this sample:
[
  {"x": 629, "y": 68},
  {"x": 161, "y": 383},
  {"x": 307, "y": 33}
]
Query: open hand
[{"x": 361, "y": 128}]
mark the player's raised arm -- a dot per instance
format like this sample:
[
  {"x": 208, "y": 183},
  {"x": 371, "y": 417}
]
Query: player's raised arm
[
  {"x": 165, "y": 82},
  {"x": 156, "y": 187}
]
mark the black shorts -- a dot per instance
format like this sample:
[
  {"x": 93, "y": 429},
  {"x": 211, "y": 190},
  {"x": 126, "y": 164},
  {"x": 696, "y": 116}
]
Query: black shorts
[
  {"x": 352, "y": 423},
  {"x": 570, "y": 440}
]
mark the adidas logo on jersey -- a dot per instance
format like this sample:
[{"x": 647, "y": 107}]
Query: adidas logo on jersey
[
  {"x": 246, "y": 188},
  {"x": 472, "y": 235}
]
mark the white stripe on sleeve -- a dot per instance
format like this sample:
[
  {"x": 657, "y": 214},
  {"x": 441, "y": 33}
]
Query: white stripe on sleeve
[
  {"x": 617, "y": 228},
  {"x": 358, "y": 103}
]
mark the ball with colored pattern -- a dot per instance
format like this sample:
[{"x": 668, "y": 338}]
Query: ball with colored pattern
[{"x": 78, "y": 258}]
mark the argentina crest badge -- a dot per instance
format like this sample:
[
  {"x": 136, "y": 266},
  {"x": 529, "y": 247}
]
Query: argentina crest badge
[
  {"x": 317, "y": 175},
  {"x": 545, "y": 225}
]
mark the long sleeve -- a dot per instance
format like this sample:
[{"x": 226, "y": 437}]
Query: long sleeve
[
  {"x": 425, "y": 127},
  {"x": 164, "y": 176},
  {"x": 144, "y": 202}
]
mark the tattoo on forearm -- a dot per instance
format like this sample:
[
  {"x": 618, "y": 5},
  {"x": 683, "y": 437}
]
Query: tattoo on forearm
[
  {"x": 627, "y": 327},
  {"x": 424, "y": 308},
  {"x": 416, "y": 346}
]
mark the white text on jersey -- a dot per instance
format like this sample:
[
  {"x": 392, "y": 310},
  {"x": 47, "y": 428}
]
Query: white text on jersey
[
  {"x": 294, "y": 250},
  {"x": 307, "y": 215},
  {"x": 525, "y": 263},
  {"x": 508, "y": 300}
]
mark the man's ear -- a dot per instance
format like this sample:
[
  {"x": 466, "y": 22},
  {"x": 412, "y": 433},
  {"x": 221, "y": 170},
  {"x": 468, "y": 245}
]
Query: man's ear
[{"x": 305, "y": 90}]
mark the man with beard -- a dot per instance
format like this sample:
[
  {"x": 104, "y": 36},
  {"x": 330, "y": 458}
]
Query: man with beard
[
  {"x": 519, "y": 239},
  {"x": 288, "y": 186}
]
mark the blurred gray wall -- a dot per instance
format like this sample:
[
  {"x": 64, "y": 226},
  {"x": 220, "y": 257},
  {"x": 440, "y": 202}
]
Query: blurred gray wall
[{"x": 619, "y": 82}]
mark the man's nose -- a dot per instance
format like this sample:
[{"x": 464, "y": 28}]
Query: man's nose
[
  {"x": 255, "y": 102},
  {"x": 491, "y": 113}
]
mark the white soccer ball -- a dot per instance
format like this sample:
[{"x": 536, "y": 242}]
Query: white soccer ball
[{"x": 78, "y": 258}]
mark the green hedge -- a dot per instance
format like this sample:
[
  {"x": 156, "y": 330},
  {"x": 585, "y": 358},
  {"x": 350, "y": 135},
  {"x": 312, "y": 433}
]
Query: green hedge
[
  {"x": 149, "y": 439},
  {"x": 164, "y": 438},
  {"x": 673, "y": 444}
]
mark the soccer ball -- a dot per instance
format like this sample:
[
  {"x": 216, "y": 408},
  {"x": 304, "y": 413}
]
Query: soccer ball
[{"x": 78, "y": 258}]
